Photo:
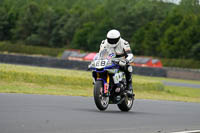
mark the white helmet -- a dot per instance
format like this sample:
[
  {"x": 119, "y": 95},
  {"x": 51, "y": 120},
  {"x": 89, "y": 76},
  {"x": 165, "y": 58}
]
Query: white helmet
[{"x": 113, "y": 38}]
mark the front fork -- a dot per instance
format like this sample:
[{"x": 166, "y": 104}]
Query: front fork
[{"x": 106, "y": 82}]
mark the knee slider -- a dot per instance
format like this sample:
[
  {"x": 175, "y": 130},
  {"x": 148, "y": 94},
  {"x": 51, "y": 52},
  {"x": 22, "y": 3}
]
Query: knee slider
[{"x": 130, "y": 69}]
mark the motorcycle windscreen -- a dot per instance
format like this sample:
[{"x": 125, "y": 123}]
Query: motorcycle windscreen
[{"x": 104, "y": 54}]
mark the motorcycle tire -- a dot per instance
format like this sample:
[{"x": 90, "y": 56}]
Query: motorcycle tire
[
  {"x": 126, "y": 105},
  {"x": 100, "y": 101}
]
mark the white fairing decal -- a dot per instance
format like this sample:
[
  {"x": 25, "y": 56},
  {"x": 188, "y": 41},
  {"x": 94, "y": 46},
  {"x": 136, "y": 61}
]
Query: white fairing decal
[{"x": 118, "y": 77}]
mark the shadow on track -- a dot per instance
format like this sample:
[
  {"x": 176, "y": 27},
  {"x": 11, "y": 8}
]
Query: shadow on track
[{"x": 132, "y": 112}]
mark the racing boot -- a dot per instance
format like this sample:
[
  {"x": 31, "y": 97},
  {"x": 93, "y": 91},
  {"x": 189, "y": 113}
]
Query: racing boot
[{"x": 129, "y": 88}]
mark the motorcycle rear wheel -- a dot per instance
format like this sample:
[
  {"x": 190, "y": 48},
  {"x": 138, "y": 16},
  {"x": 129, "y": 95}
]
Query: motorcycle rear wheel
[
  {"x": 101, "y": 101},
  {"x": 127, "y": 104}
]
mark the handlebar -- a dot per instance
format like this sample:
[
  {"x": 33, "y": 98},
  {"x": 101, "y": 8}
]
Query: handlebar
[{"x": 117, "y": 60}]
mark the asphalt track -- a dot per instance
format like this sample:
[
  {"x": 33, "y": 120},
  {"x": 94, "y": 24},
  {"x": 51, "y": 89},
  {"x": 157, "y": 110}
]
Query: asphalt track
[
  {"x": 21, "y": 113},
  {"x": 169, "y": 83}
]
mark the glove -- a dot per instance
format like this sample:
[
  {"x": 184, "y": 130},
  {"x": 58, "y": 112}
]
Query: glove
[
  {"x": 122, "y": 63},
  {"x": 89, "y": 66}
]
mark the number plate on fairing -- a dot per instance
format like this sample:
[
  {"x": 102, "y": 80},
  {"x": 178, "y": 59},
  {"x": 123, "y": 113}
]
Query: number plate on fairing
[{"x": 101, "y": 63}]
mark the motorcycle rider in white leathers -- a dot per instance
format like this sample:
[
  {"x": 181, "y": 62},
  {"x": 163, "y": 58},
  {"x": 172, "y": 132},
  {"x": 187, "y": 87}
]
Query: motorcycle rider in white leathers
[{"x": 120, "y": 48}]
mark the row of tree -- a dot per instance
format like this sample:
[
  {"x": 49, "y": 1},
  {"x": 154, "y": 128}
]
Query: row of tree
[{"x": 153, "y": 27}]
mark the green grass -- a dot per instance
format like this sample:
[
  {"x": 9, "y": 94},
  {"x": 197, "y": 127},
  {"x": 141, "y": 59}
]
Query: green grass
[
  {"x": 167, "y": 79},
  {"x": 172, "y": 94},
  {"x": 181, "y": 63},
  {"x": 32, "y": 88},
  {"x": 39, "y": 80},
  {"x": 183, "y": 91},
  {"x": 71, "y": 78},
  {"x": 7, "y": 47}
]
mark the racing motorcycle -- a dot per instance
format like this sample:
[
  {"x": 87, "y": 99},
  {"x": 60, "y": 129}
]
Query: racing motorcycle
[{"x": 109, "y": 82}]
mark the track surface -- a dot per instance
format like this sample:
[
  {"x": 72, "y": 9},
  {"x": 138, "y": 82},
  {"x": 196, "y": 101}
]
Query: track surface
[
  {"x": 168, "y": 83},
  {"x": 21, "y": 113}
]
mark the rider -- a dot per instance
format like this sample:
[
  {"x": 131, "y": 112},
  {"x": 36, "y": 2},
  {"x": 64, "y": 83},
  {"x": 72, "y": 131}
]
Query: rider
[{"x": 120, "y": 48}]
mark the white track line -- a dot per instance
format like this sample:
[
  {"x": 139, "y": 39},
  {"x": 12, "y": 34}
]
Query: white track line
[{"x": 194, "y": 131}]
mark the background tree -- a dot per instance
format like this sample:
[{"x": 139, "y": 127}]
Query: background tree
[{"x": 153, "y": 28}]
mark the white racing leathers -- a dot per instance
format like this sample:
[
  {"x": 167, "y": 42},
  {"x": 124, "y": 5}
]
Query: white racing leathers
[{"x": 122, "y": 49}]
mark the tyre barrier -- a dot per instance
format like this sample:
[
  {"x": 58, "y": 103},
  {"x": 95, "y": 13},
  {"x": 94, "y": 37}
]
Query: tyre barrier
[{"x": 44, "y": 61}]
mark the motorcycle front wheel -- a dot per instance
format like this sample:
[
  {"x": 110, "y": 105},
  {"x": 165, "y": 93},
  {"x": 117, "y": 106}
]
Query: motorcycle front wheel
[{"x": 100, "y": 100}]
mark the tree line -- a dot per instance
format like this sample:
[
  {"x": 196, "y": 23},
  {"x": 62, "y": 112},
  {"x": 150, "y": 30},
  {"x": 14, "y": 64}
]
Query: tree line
[{"x": 153, "y": 27}]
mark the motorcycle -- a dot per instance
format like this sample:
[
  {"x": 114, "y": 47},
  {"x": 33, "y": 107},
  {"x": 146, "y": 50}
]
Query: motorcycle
[{"x": 109, "y": 82}]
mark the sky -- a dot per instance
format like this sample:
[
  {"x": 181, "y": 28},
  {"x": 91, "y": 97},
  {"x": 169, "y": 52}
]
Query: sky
[{"x": 174, "y": 1}]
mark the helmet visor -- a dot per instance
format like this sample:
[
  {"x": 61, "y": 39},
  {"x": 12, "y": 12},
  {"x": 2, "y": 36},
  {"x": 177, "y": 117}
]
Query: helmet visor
[{"x": 113, "y": 41}]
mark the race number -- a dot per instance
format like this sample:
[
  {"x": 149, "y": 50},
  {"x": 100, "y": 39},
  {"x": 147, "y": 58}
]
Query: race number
[{"x": 100, "y": 63}]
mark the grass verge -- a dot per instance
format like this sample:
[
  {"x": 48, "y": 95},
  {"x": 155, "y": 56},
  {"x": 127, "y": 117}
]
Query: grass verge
[
  {"x": 7, "y": 47},
  {"x": 37, "y": 80},
  {"x": 166, "y": 79},
  {"x": 71, "y": 78}
]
